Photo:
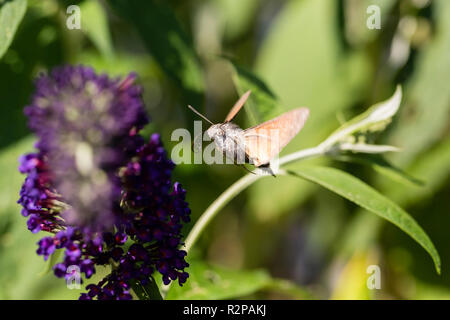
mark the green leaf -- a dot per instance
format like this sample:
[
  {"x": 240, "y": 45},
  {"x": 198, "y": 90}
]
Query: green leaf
[
  {"x": 376, "y": 118},
  {"x": 365, "y": 196},
  {"x": 381, "y": 165},
  {"x": 148, "y": 292},
  {"x": 95, "y": 25},
  {"x": 11, "y": 13},
  {"x": 432, "y": 165},
  {"x": 262, "y": 104},
  {"x": 214, "y": 283},
  {"x": 166, "y": 40}
]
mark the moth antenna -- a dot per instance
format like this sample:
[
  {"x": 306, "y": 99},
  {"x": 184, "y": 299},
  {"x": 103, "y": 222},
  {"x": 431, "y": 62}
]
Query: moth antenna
[{"x": 199, "y": 114}]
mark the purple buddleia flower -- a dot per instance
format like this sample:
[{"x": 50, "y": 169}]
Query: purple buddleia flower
[
  {"x": 83, "y": 122},
  {"x": 105, "y": 194}
]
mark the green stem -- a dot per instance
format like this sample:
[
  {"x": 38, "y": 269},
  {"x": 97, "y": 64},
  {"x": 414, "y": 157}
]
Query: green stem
[
  {"x": 233, "y": 191},
  {"x": 218, "y": 204}
]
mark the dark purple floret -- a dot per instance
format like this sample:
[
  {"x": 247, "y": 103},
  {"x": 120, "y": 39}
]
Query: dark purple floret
[{"x": 105, "y": 195}]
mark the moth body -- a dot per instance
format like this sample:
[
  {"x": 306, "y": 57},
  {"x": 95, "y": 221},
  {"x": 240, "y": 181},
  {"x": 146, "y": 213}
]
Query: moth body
[
  {"x": 229, "y": 140},
  {"x": 257, "y": 145}
]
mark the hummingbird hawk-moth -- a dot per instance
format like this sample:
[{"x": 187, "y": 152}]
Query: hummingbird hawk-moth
[{"x": 257, "y": 145}]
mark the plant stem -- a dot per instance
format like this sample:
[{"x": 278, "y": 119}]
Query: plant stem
[
  {"x": 233, "y": 191},
  {"x": 218, "y": 204}
]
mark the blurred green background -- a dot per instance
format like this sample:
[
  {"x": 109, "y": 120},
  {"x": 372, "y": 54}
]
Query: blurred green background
[{"x": 283, "y": 237}]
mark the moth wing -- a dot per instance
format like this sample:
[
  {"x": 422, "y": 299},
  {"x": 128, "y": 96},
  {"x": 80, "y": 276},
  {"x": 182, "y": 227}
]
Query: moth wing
[
  {"x": 266, "y": 140},
  {"x": 259, "y": 149},
  {"x": 237, "y": 106}
]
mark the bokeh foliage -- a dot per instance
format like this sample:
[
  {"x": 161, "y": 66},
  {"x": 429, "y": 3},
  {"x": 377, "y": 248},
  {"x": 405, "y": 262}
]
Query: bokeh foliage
[{"x": 284, "y": 237}]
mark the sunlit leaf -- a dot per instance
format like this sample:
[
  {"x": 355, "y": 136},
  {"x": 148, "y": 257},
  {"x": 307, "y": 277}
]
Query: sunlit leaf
[
  {"x": 11, "y": 13},
  {"x": 365, "y": 196},
  {"x": 214, "y": 283},
  {"x": 376, "y": 118},
  {"x": 95, "y": 25}
]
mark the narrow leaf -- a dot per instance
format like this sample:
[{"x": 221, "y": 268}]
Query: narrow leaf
[
  {"x": 149, "y": 291},
  {"x": 262, "y": 104},
  {"x": 95, "y": 25},
  {"x": 382, "y": 166},
  {"x": 365, "y": 196},
  {"x": 11, "y": 13},
  {"x": 376, "y": 118},
  {"x": 214, "y": 283}
]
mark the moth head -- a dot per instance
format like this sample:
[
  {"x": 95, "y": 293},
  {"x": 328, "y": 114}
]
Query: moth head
[{"x": 214, "y": 131}]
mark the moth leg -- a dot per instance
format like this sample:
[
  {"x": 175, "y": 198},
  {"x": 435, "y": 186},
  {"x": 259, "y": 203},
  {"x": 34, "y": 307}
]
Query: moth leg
[
  {"x": 266, "y": 167},
  {"x": 245, "y": 168}
]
